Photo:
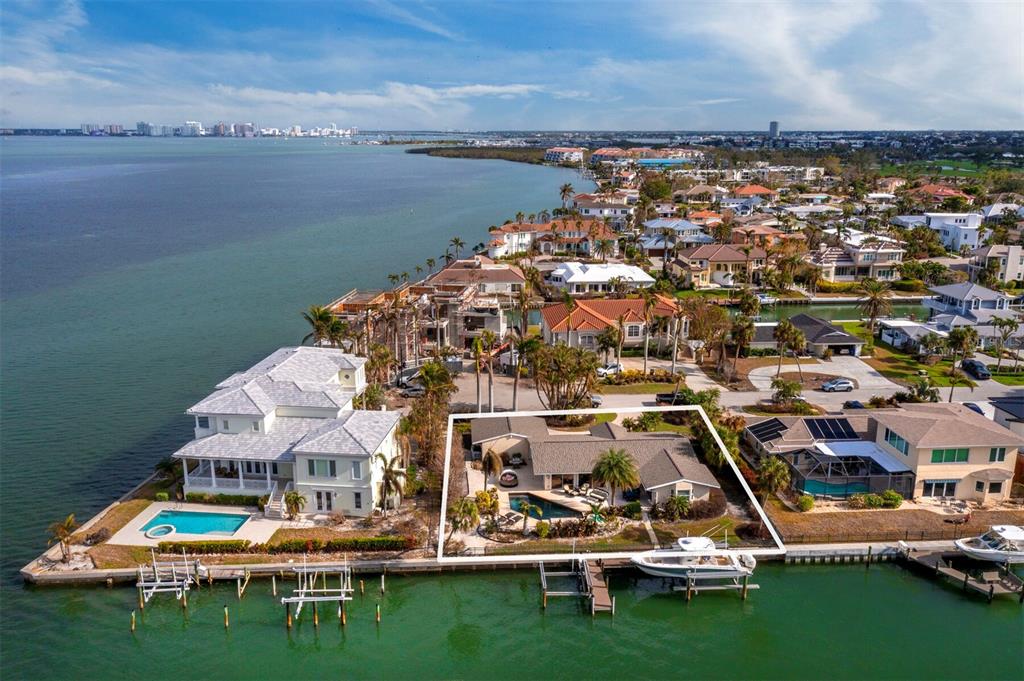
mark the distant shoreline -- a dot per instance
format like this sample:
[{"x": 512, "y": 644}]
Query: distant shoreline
[{"x": 531, "y": 155}]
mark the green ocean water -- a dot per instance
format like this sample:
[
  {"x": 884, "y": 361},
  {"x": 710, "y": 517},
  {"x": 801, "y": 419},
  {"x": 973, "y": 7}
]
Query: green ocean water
[{"x": 134, "y": 274}]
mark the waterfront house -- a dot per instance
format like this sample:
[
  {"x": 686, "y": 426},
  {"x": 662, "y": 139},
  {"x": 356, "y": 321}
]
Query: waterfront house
[
  {"x": 661, "y": 236},
  {"x": 719, "y": 265},
  {"x": 820, "y": 335},
  {"x": 483, "y": 273},
  {"x": 919, "y": 450},
  {"x": 615, "y": 209},
  {"x": 957, "y": 230},
  {"x": 564, "y": 155},
  {"x": 542, "y": 460},
  {"x": 761, "y": 235},
  {"x": 581, "y": 325},
  {"x": 608, "y": 155},
  {"x": 858, "y": 256},
  {"x": 578, "y": 278},
  {"x": 579, "y": 237},
  {"x": 288, "y": 423},
  {"x": 967, "y": 304},
  {"x": 1006, "y": 263},
  {"x": 935, "y": 194}
]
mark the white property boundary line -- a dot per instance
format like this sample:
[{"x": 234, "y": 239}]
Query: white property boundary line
[{"x": 779, "y": 550}]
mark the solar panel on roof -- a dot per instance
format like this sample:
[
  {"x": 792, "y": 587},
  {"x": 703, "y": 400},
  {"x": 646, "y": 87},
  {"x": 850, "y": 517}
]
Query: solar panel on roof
[
  {"x": 767, "y": 430},
  {"x": 831, "y": 429}
]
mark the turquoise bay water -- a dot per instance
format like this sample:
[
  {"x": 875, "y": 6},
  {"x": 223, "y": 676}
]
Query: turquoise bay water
[
  {"x": 193, "y": 522},
  {"x": 134, "y": 274}
]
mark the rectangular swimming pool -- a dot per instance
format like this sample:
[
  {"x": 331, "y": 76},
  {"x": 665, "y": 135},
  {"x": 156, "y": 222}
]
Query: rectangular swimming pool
[
  {"x": 193, "y": 522},
  {"x": 549, "y": 509}
]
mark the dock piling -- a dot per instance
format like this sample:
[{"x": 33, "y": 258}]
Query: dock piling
[
  {"x": 382, "y": 583},
  {"x": 867, "y": 563},
  {"x": 378, "y": 613},
  {"x": 133, "y": 621},
  {"x": 361, "y": 590},
  {"x": 226, "y": 623},
  {"x": 273, "y": 585}
]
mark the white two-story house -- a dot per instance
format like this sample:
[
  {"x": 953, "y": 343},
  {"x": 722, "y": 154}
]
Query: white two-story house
[
  {"x": 859, "y": 256},
  {"x": 957, "y": 230},
  {"x": 287, "y": 423},
  {"x": 968, "y": 304}
]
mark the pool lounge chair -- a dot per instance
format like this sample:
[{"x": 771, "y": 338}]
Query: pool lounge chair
[
  {"x": 598, "y": 496},
  {"x": 585, "y": 489},
  {"x": 567, "y": 488}
]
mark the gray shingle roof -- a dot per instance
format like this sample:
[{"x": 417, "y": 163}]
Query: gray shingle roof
[
  {"x": 817, "y": 331},
  {"x": 482, "y": 429},
  {"x": 966, "y": 290},
  {"x": 672, "y": 467},
  {"x": 356, "y": 433}
]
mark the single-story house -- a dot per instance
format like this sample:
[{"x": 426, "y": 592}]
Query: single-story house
[{"x": 820, "y": 336}]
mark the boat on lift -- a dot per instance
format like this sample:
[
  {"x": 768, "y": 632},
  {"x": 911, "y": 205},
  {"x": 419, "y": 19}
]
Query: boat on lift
[
  {"x": 766, "y": 299},
  {"x": 697, "y": 558},
  {"x": 1001, "y": 544}
]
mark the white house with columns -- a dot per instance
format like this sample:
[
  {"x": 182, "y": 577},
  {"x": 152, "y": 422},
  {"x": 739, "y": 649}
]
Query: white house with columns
[{"x": 287, "y": 424}]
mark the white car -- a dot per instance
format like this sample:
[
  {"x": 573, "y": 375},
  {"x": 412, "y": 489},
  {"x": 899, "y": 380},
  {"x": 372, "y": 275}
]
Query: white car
[{"x": 609, "y": 370}]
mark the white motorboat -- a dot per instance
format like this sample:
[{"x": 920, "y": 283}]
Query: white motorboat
[
  {"x": 766, "y": 299},
  {"x": 695, "y": 557},
  {"x": 1001, "y": 544}
]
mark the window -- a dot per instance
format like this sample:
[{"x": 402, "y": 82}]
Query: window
[
  {"x": 979, "y": 486},
  {"x": 225, "y": 422},
  {"x": 953, "y": 455},
  {"x": 896, "y": 442},
  {"x": 358, "y": 499},
  {"x": 203, "y": 422},
  {"x": 997, "y": 454},
  {"x": 939, "y": 488},
  {"x": 321, "y": 468},
  {"x": 357, "y": 470},
  {"x": 255, "y": 426},
  {"x": 633, "y": 331},
  {"x": 995, "y": 488}
]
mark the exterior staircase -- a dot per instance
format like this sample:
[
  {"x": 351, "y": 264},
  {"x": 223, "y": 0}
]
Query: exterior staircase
[{"x": 275, "y": 504}]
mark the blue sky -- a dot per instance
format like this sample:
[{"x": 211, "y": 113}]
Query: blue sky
[{"x": 516, "y": 65}]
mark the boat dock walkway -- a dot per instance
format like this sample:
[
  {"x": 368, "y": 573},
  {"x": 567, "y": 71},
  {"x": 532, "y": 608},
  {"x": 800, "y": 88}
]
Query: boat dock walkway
[
  {"x": 988, "y": 579},
  {"x": 591, "y": 585}
]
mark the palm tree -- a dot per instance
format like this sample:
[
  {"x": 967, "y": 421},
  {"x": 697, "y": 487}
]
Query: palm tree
[
  {"x": 391, "y": 480},
  {"x": 478, "y": 359},
  {"x": 457, "y": 245},
  {"x": 492, "y": 464},
  {"x": 294, "y": 502},
  {"x": 875, "y": 301},
  {"x": 566, "y": 191},
  {"x": 337, "y": 332},
  {"x": 1005, "y": 328},
  {"x": 617, "y": 469},
  {"x": 60, "y": 533},
  {"x": 797, "y": 343},
  {"x": 489, "y": 341},
  {"x": 607, "y": 341},
  {"x": 962, "y": 341},
  {"x": 772, "y": 477},
  {"x": 319, "y": 319},
  {"x": 526, "y": 508},
  {"x": 650, "y": 301},
  {"x": 783, "y": 334},
  {"x": 524, "y": 347},
  {"x": 742, "y": 336},
  {"x": 430, "y": 265},
  {"x": 463, "y": 516}
]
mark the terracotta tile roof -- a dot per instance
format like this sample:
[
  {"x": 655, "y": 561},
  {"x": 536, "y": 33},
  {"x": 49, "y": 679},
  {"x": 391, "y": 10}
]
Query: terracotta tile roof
[
  {"x": 753, "y": 190},
  {"x": 599, "y": 314},
  {"x": 939, "y": 191},
  {"x": 704, "y": 214}
]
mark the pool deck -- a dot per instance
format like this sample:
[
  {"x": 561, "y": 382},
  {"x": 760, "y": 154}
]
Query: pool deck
[{"x": 256, "y": 529}]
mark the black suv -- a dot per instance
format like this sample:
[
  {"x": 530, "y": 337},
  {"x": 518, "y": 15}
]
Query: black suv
[{"x": 976, "y": 369}]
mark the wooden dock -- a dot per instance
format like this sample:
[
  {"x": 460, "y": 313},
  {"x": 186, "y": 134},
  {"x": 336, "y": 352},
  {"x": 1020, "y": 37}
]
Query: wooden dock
[
  {"x": 591, "y": 585},
  {"x": 987, "y": 579}
]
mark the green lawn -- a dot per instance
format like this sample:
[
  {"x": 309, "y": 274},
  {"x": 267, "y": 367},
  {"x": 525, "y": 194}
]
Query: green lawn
[
  {"x": 637, "y": 388},
  {"x": 945, "y": 167},
  {"x": 703, "y": 293},
  {"x": 1009, "y": 380},
  {"x": 900, "y": 366}
]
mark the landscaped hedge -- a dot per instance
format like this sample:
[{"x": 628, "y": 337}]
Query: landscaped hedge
[
  {"x": 354, "y": 544},
  {"x": 223, "y": 499},
  {"x": 909, "y": 286},
  {"x": 837, "y": 287},
  {"x": 631, "y": 376},
  {"x": 205, "y": 548}
]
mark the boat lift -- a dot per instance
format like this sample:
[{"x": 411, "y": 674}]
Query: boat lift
[
  {"x": 591, "y": 585},
  {"x": 175, "y": 577},
  {"x": 308, "y": 575}
]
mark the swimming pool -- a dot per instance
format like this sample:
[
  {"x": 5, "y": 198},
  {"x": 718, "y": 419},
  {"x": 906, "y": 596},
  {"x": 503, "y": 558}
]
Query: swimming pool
[
  {"x": 549, "y": 509},
  {"x": 834, "y": 489},
  {"x": 193, "y": 522}
]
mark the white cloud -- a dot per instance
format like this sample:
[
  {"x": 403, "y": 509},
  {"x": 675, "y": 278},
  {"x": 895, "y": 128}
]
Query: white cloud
[{"x": 402, "y": 15}]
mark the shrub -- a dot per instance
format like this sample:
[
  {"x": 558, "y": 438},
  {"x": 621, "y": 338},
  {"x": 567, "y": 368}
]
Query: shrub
[
  {"x": 891, "y": 499},
  {"x": 762, "y": 352},
  {"x": 805, "y": 502},
  {"x": 162, "y": 496},
  {"x": 223, "y": 499},
  {"x": 543, "y": 528},
  {"x": 712, "y": 507},
  {"x": 827, "y": 354},
  {"x": 633, "y": 510},
  {"x": 98, "y": 537},
  {"x": 873, "y": 501},
  {"x": 909, "y": 285},
  {"x": 646, "y": 422},
  {"x": 205, "y": 548},
  {"x": 355, "y": 544},
  {"x": 576, "y": 527},
  {"x": 856, "y": 501},
  {"x": 801, "y": 408}
]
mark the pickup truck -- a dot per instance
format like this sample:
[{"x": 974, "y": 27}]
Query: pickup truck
[{"x": 670, "y": 399}]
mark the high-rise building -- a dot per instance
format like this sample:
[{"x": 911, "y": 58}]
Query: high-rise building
[{"x": 773, "y": 130}]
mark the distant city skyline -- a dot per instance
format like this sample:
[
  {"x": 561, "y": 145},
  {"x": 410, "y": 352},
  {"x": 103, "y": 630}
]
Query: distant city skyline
[{"x": 509, "y": 66}]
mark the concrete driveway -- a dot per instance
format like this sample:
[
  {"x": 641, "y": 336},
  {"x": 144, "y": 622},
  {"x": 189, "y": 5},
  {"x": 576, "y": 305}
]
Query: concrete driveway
[{"x": 867, "y": 378}]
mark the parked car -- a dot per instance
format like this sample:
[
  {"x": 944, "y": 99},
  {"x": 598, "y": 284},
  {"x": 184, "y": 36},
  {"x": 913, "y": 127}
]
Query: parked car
[
  {"x": 609, "y": 370},
  {"x": 838, "y": 385},
  {"x": 975, "y": 408},
  {"x": 853, "y": 404},
  {"x": 414, "y": 391},
  {"x": 670, "y": 399},
  {"x": 976, "y": 369},
  {"x": 596, "y": 400}
]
